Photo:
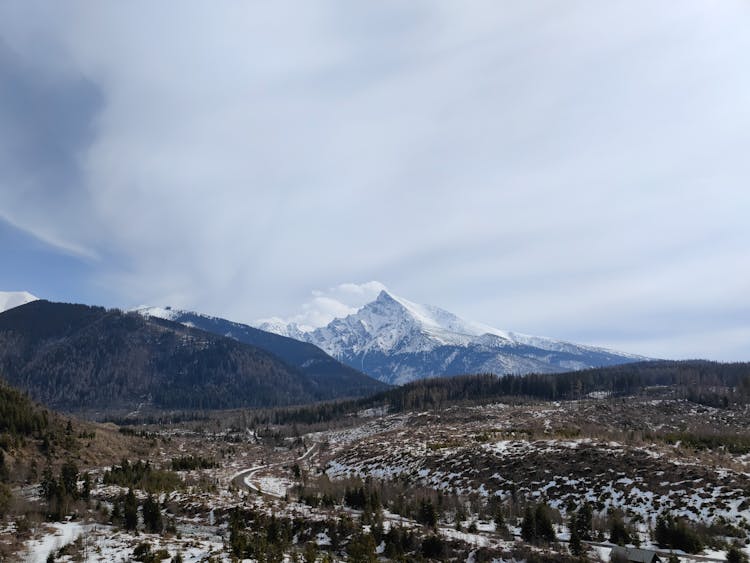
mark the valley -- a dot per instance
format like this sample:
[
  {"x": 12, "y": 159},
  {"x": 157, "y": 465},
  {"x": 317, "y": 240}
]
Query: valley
[
  {"x": 455, "y": 483},
  {"x": 374, "y": 282},
  {"x": 165, "y": 435}
]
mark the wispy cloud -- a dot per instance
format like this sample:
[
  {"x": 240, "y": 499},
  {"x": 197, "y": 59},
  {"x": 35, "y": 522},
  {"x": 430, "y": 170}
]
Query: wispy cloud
[
  {"x": 542, "y": 167},
  {"x": 335, "y": 302}
]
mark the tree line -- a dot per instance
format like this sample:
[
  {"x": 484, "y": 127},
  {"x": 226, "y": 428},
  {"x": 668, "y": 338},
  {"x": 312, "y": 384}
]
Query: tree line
[{"x": 710, "y": 383}]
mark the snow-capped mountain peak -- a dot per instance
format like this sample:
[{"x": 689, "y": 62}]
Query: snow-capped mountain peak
[
  {"x": 438, "y": 321},
  {"x": 11, "y": 299},
  {"x": 391, "y": 322},
  {"x": 283, "y": 328},
  {"x": 397, "y": 340}
]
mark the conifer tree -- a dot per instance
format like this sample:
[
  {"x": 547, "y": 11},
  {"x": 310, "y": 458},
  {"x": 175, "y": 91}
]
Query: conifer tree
[
  {"x": 152, "y": 515},
  {"x": 544, "y": 528},
  {"x": 427, "y": 514},
  {"x": 310, "y": 553},
  {"x": 583, "y": 521},
  {"x": 361, "y": 549},
  {"x": 528, "y": 525},
  {"x": 736, "y": 555},
  {"x": 575, "y": 545},
  {"x": 130, "y": 511},
  {"x": 69, "y": 479},
  {"x": 4, "y": 473}
]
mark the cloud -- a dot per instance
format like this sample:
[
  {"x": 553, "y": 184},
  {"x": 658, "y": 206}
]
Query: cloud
[
  {"x": 540, "y": 167},
  {"x": 47, "y": 118},
  {"x": 334, "y": 302}
]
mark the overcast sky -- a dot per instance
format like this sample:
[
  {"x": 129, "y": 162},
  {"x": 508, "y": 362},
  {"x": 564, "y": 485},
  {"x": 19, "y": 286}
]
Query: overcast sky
[{"x": 571, "y": 169}]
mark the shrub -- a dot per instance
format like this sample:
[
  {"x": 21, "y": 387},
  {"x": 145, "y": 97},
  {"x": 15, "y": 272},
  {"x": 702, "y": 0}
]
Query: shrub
[
  {"x": 736, "y": 555},
  {"x": 433, "y": 547},
  {"x": 676, "y": 533}
]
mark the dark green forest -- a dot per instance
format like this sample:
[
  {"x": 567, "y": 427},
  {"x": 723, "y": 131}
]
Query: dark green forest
[
  {"x": 75, "y": 357},
  {"x": 19, "y": 416},
  {"x": 708, "y": 383}
]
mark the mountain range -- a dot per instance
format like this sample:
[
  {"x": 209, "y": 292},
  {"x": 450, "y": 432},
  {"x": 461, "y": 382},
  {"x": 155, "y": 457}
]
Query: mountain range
[
  {"x": 100, "y": 362},
  {"x": 398, "y": 341},
  {"x": 90, "y": 359},
  {"x": 325, "y": 371}
]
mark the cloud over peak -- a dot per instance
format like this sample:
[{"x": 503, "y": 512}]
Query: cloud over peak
[
  {"x": 335, "y": 302},
  {"x": 540, "y": 166}
]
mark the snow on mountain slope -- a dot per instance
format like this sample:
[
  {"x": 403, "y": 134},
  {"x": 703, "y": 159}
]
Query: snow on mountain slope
[
  {"x": 389, "y": 324},
  {"x": 166, "y": 313},
  {"x": 11, "y": 299},
  {"x": 282, "y": 328},
  {"x": 397, "y": 341}
]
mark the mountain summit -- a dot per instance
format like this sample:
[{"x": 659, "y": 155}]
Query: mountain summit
[{"x": 397, "y": 341}]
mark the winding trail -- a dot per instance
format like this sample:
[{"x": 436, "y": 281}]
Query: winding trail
[{"x": 244, "y": 479}]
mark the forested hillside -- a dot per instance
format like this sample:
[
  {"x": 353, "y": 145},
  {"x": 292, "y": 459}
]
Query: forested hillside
[
  {"x": 75, "y": 357},
  {"x": 333, "y": 378},
  {"x": 19, "y": 417},
  {"x": 704, "y": 382},
  {"x": 700, "y": 381}
]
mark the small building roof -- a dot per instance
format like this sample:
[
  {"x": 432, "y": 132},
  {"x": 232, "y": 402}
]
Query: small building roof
[{"x": 635, "y": 554}]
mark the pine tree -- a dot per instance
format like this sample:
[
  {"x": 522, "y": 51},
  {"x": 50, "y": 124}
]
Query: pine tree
[
  {"x": 69, "y": 479},
  {"x": 152, "y": 515},
  {"x": 528, "y": 525},
  {"x": 86, "y": 489},
  {"x": 4, "y": 474},
  {"x": 427, "y": 514},
  {"x": 544, "y": 528},
  {"x": 237, "y": 539},
  {"x": 736, "y": 555},
  {"x": 583, "y": 521},
  {"x": 361, "y": 549},
  {"x": 130, "y": 511},
  {"x": 433, "y": 547},
  {"x": 48, "y": 484},
  {"x": 310, "y": 552},
  {"x": 499, "y": 519},
  {"x": 575, "y": 545},
  {"x": 116, "y": 515}
]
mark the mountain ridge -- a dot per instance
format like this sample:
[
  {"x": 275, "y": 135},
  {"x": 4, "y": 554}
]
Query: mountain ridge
[
  {"x": 325, "y": 370},
  {"x": 95, "y": 361},
  {"x": 397, "y": 341}
]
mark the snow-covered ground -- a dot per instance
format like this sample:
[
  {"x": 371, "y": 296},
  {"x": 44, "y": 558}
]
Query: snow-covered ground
[
  {"x": 273, "y": 486},
  {"x": 105, "y": 544},
  {"x": 479, "y": 452},
  {"x": 58, "y": 534}
]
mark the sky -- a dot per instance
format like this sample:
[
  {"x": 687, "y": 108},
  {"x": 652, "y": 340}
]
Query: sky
[{"x": 568, "y": 169}]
